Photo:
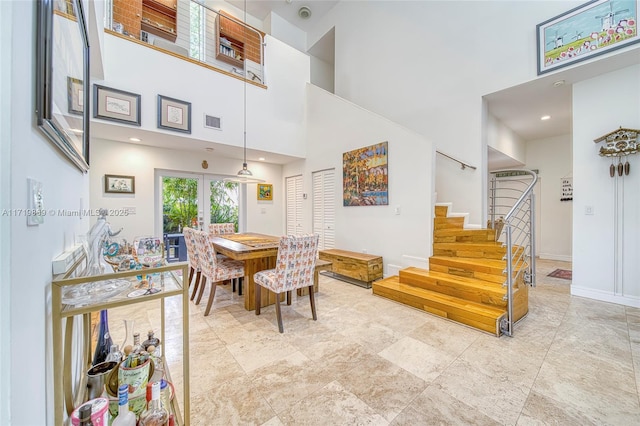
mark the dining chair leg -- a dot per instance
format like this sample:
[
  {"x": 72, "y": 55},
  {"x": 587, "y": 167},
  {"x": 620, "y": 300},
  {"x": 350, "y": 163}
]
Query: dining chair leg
[
  {"x": 289, "y": 297},
  {"x": 279, "y": 313},
  {"x": 257, "y": 298},
  {"x": 312, "y": 299},
  {"x": 196, "y": 285},
  {"x": 233, "y": 285},
  {"x": 203, "y": 284},
  {"x": 211, "y": 296},
  {"x": 240, "y": 282},
  {"x": 191, "y": 271}
]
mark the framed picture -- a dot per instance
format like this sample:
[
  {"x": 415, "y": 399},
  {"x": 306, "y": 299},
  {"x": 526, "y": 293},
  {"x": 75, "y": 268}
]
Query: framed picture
[
  {"x": 365, "y": 176},
  {"x": 265, "y": 192},
  {"x": 174, "y": 114},
  {"x": 116, "y": 105},
  {"x": 62, "y": 50},
  {"x": 595, "y": 28},
  {"x": 75, "y": 95},
  {"x": 117, "y": 184}
]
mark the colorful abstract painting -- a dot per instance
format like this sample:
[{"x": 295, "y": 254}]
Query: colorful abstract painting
[{"x": 365, "y": 179}]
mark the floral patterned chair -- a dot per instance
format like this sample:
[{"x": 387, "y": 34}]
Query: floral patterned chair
[
  {"x": 192, "y": 256},
  {"x": 222, "y": 229},
  {"x": 294, "y": 269},
  {"x": 213, "y": 269}
]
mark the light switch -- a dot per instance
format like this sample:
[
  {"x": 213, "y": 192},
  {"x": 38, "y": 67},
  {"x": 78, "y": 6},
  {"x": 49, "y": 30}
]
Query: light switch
[{"x": 35, "y": 203}]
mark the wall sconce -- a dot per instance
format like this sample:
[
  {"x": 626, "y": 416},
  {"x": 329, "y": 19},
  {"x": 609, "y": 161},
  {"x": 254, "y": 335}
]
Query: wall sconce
[
  {"x": 619, "y": 143},
  {"x": 205, "y": 164}
]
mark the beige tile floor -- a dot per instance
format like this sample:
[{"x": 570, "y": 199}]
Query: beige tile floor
[{"x": 368, "y": 360}]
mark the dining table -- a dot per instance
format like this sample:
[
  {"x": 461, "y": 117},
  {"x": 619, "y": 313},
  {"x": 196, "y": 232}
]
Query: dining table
[{"x": 258, "y": 252}]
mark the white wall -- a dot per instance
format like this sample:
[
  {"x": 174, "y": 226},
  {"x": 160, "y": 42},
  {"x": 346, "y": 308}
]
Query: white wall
[
  {"x": 552, "y": 157},
  {"x": 32, "y": 247},
  {"x": 336, "y": 126},
  {"x": 274, "y": 116},
  {"x": 606, "y": 244},
  {"x": 505, "y": 140},
  {"x": 141, "y": 161},
  {"x": 426, "y": 65},
  {"x": 286, "y": 32},
  {"x": 322, "y": 74}
]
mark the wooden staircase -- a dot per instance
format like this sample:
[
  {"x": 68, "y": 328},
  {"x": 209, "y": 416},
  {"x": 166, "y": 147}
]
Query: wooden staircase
[{"x": 465, "y": 279}]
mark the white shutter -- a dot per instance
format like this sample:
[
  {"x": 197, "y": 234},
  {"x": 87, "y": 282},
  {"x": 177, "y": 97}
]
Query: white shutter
[
  {"x": 324, "y": 212},
  {"x": 294, "y": 205}
]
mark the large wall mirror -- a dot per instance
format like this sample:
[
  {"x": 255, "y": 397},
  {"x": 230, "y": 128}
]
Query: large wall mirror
[{"x": 62, "y": 78}]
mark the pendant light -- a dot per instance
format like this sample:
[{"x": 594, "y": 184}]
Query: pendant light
[{"x": 244, "y": 175}]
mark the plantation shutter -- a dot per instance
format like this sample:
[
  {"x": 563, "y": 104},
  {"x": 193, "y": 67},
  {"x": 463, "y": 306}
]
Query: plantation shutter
[{"x": 324, "y": 210}]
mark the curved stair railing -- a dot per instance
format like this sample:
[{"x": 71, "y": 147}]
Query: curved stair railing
[{"x": 511, "y": 214}]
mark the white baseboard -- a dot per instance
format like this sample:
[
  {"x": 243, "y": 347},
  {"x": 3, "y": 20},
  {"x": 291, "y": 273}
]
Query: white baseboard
[
  {"x": 561, "y": 257},
  {"x": 605, "y": 296},
  {"x": 392, "y": 270}
]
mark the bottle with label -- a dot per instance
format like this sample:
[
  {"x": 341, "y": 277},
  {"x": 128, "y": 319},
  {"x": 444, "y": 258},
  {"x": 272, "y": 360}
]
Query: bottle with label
[
  {"x": 103, "y": 345},
  {"x": 114, "y": 354},
  {"x": 85, "y": 415},
  {"x": 155, "y": 414},
  {"x": 125, "y": 417}
]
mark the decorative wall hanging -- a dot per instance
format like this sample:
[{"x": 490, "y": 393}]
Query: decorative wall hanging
[
  {"x": 619, "y": 144},
  {"x": 116, "y": 105},
  {"x": 265, "y": 191},
  {"x": 117, "y": 184},
  {"x": 365, "y": 176},
  {"x": 567, "y": 188},
  {"x": 174, "y": 114},
  {"x": 595, "y": 28}
]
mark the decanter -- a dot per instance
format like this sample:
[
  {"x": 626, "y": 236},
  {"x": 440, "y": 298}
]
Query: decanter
[{"x": 155, "y": 414}]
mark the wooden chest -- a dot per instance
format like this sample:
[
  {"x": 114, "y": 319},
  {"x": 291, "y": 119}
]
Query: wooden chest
[{"x": 363, "y": 268}]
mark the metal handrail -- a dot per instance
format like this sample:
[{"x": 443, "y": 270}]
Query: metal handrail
[
  {"x": 518, "y": 231},
  {"x": 462, "y": 163}
]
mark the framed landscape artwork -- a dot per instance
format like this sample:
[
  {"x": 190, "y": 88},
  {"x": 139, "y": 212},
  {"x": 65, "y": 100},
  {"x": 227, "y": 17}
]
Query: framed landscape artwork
[
  {"x": 265, "y": 191},
  {"x": 365, "y": 179},
  {"x": 595, "y": 28},
  {"x": 118, "y": 184},
  {"x": 116, "y": 105}
]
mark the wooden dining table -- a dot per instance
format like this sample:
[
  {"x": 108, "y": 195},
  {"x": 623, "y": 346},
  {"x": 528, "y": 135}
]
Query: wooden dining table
[{"x": 258, "y": 252}]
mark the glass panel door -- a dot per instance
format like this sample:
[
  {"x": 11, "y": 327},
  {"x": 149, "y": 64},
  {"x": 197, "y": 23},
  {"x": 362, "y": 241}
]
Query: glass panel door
[
  {"x": 222, "y": 200},
  {"x": 180, "y": 196}
]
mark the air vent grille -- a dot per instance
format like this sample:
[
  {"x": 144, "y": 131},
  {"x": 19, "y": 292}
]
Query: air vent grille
[{"x": 212, "y": 122}]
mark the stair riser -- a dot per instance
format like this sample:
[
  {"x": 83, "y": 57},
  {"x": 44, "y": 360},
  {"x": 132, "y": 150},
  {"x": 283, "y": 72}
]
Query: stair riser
[
  {"x": 474, "y": 238},
  {"x": 489, "y": 325},
  {"x": 493, "y": 297},
  {"x": 441, "y": 211},
  {"x": 471, "y": 250},
  {"x": 494, "y": 278},
  {"x": 448, "y": 223}
]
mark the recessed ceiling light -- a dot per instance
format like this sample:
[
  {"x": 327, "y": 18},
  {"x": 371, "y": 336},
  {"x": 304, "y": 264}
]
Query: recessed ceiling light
[
  {"x": 545, "y": 117},
  {"x": 558, "y": 83},
  {"x": 261, "y": 159},
  {"x": 209, "y": 149},
  {"x": 135, "y": 139}
]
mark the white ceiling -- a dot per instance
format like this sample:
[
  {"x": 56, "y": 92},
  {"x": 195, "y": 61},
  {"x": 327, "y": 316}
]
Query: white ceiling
[{"x": 288, "y": 10}]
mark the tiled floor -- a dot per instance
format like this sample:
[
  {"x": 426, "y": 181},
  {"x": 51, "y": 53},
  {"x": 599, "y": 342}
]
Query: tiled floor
[{"x": 368, "y": 360}]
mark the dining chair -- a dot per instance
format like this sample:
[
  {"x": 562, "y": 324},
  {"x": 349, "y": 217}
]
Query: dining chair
[
  {"x": 214, "y": 269},
  {"x": 294, "y": 269},
  {"x": 222, "y": 229},
  {"x": 192, "y": 257}
]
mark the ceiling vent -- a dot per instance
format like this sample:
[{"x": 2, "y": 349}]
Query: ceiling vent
[{"x": 212, "y": 122}]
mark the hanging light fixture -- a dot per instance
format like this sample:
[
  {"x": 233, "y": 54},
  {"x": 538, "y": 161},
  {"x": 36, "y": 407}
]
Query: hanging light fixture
[{"x": 244, "y": 175}]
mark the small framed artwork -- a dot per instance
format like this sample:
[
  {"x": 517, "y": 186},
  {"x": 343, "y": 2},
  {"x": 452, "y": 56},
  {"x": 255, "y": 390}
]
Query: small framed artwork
[
  {"x": 265, "y": 192},
  {"x": 75, "y": 95},
  {"x": 589, "y": 30},
  {"x": 174, "y": 114},
  {"x": 116, "y": 105},
  {"x": 118, "y": 184}
]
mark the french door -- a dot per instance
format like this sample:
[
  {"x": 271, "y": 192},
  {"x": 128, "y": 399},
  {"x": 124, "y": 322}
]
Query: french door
[{"x": 194, "y": 200}]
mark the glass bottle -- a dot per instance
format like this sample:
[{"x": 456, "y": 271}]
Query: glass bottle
[
  {"x": 125, "y": 417},
  {"x": 155, "y": 414},
  {"x": 151, "y": 341},
  {"x": 137, "y": 347},
  {"x": 85, "y": 415},
  {"x": 115, "y": 354},
  {"x": 103, "y": 345}
]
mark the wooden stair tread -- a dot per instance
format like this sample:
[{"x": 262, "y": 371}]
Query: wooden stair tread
[
  {"x": 464, "y": 231},
  {"x": 454, "y": 279}
]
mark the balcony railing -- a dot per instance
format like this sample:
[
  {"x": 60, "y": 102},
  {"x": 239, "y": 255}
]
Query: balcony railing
[{"x": 194, "y": 31}]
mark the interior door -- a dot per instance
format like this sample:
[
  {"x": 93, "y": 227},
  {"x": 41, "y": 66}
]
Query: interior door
[
  {"x": 324, "y": 210},
  {"x": 293, "y": 186}
]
